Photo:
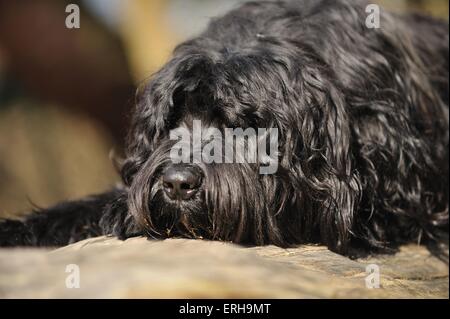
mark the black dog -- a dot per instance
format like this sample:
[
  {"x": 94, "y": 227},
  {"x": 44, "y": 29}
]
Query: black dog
[{"x": 362, "y": 116}]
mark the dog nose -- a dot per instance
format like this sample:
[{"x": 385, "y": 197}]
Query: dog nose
[{"x": 181, "y": 182}]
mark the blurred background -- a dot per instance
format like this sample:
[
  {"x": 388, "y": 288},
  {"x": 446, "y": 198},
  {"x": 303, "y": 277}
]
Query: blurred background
[{"x": 65, "y": 94}]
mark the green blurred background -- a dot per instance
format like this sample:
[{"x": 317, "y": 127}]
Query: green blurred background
[{"x": 65, "y": 94}]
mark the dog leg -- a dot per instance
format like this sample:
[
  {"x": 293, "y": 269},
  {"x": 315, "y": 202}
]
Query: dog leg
[{"x": 71, "y": 221}]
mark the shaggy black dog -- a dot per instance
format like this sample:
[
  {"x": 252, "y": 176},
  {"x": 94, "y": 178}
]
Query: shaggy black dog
[{"x": 362, "y": 116}]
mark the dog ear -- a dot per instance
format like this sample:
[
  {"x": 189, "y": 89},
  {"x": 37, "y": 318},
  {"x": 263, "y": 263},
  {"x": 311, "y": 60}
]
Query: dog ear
[{"x": 326, "y": 159}]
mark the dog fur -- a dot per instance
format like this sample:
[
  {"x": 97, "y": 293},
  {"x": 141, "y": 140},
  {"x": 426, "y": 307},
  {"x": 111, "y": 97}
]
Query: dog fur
[{"x": 363, "y": 124}]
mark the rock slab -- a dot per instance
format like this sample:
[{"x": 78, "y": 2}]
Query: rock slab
[{"x": 183, "y": 268}]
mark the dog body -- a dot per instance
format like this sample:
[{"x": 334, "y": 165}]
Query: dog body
[{"x": 362, "y": 121}]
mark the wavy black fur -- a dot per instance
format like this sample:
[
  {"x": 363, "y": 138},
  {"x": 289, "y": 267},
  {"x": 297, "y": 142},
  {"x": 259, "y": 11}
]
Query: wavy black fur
[{"x": 364, "y": 129}]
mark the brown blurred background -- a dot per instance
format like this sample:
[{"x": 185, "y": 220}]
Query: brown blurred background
[{"x": 65, "y": 94}]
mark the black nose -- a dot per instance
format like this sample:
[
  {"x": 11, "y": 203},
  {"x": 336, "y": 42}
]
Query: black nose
[{"x": 181, "y": 182}]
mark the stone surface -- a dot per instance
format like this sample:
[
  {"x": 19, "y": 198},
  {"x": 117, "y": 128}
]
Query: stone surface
[{"x": 181, "y": 268}]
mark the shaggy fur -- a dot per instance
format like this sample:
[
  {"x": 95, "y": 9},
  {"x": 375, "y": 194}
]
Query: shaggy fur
[{"x": 363, "y": 128}]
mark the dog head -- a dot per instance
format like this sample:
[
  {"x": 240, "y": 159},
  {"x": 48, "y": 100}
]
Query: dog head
[{"x": 277, "y": 85}]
